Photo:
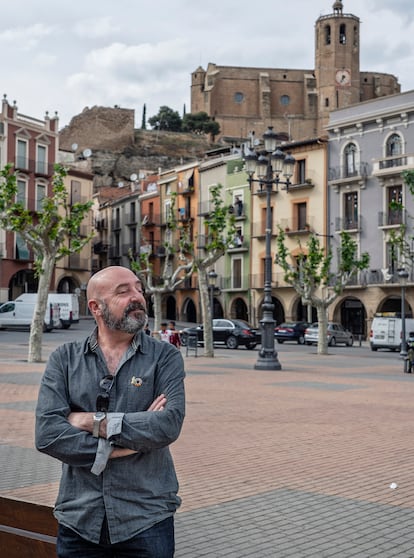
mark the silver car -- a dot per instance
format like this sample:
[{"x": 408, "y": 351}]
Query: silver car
[{"x": 336, "y": 334}]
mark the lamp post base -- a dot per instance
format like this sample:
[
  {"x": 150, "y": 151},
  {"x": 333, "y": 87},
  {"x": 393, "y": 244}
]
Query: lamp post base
[{"x": 267, "y": 361}]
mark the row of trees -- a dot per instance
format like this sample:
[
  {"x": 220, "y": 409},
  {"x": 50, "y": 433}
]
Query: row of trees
[{"x": 53, "y": 233}]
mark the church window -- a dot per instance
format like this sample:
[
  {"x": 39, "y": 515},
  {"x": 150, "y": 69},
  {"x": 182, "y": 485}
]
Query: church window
[
  {"x": 342, "y": 34},
  {"x": 238, "y": 97},
  {"x": 327, "y": 34},
  {"x": 284, "y": 100}
]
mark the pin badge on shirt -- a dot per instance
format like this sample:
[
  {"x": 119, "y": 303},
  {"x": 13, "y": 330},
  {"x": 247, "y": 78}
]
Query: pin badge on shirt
[{"x": 137, "y": 382}]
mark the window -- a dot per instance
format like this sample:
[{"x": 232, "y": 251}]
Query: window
[
  {"x": 75, "y": 191},
  {"x": 301, "y": 215},
  {"x": 284, "y": 100},
  {"x": 327, "y": 34},
  {"x": 40, "y": 196},
  {"x": 301, "y": 171},
  {"x": 21, "y": 192},
  {"x": 350, "y": 159},
  {"x": 237, "y": 273},
  {"x": 22, "y": 250},
  {"x": 392, "y": 257},
  {"x": 394, "y": 145},
  {"x": 238, "y": 97},
  {"x": 351, "y": 210},
  {"x": 394, "y": 204},
  {"x": 41, "y": 159},
  {"x": 21, "y": 155},
  {"x": 342, "y": 34},
  {"x": 132, "y": 216}
]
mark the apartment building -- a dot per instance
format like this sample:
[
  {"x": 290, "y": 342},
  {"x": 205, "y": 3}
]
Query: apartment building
[
  {"x": 30, "y": 145},
  {"x": 370, "y": 144}
]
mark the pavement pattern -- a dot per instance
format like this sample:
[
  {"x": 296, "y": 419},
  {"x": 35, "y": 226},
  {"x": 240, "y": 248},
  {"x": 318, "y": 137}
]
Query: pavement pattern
[{"x": 292, "y": 463}]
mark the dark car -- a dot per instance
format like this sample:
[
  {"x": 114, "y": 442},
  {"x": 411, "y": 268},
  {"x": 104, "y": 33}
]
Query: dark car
[
  {"x": 291, "y": 331},
  {"x": 230, "y": 332}
]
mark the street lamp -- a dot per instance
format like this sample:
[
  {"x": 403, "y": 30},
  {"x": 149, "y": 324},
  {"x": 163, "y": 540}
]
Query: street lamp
[
  {"x": 268, "y": 166},
  {"x": 212, "y": 277},
  {"x": 403, "y": 276}
]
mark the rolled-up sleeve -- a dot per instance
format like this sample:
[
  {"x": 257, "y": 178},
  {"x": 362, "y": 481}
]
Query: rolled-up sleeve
[{"x": 54, "y": 435}]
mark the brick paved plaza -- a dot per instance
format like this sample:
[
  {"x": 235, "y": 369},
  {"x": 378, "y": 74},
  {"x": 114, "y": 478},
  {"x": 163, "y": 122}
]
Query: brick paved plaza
[{"x": 293, "y": 463}]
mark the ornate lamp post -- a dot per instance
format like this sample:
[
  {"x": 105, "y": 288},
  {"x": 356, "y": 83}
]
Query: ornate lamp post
[
  {"x": 403, "y": 276},
  {"x": 268, "y": 168}
]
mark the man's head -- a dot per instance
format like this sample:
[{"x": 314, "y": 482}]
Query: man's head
[
  {"x": 163, "y": 326},
  {"x": 116, "y": 300}
]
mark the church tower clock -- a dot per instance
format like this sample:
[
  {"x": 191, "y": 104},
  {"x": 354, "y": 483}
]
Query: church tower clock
[{"x": 336, "y": 61}]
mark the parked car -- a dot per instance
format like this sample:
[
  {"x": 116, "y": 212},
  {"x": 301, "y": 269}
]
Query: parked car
[
  {"x": 230, "y": 332},
  {"x": 336, "y": 334},
  {"x": 291, "y": 331}
]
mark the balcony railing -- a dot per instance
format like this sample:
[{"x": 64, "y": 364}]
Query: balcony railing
[
  {"x": 348, "y": 223},
  {"x": 393, "y": 217},
  {"x": 41, "y": 168},
  {"x": 345, "y": 172}
]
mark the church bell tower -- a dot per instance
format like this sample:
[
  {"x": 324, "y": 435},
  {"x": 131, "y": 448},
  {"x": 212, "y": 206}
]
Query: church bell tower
[{"x": 337, "y": 61}]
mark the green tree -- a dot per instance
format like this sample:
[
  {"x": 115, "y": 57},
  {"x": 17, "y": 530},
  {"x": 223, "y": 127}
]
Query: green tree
[
  {"x": 52, "y": 233},
  {"x": 200, "y": 123},
  {"x": 144, "y": 117},
  {"x": 166, "y": 119},
  {"x": 177, "y": 267},
  {"x": 220, "y": 232},
  {"x": 312, "y": 278}
]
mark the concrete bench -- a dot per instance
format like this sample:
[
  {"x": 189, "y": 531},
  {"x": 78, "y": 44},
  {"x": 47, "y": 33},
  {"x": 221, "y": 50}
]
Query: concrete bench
[{"x": 27, "y": 530}]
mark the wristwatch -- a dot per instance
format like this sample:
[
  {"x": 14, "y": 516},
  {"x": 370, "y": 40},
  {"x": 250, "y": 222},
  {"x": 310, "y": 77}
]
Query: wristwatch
[{"x": 98, "y": 417}]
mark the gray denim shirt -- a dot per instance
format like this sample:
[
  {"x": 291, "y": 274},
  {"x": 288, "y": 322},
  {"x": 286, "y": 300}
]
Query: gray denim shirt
[{"x": 135, "y": 491}]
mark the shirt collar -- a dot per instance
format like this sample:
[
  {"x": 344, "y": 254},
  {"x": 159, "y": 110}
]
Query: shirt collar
[{"x": 139, "y": 341}]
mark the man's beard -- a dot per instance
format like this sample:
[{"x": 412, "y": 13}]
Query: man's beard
[{"x": 127, "y": 323}]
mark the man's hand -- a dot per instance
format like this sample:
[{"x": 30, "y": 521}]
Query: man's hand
[{"x": 158, "y": 404}]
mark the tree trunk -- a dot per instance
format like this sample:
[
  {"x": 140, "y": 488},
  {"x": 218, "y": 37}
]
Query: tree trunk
[
  {"x": 323, "y": 325},
  {"x": 157, "y": 305},
  {"x": 36, "y": 329},
  {"x": 206, "y": 311}
]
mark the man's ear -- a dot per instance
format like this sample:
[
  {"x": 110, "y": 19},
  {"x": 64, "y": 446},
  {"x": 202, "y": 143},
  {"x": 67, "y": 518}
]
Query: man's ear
[{"x": 94, "y": 307}]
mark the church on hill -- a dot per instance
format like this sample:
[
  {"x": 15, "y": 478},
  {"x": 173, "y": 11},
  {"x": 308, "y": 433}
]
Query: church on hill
[{"x": 295, "y": 102}]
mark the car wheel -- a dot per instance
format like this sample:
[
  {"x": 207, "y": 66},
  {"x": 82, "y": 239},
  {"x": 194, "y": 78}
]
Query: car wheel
[
  {"x": 184, "y": 340},
  {"x": 232, "y": 342},
  {"x": 374, "y": 348},
  {"x": 301, "y": 340},
  {"x": 280, "y": 341},
  {"x": 350, "y": 342},
  {"x": 332, "y": 342},
  {"x": 251, "y": 345}
]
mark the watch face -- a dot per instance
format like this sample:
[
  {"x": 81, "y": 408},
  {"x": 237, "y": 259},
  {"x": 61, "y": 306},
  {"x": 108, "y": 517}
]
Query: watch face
[{"x": 343, "y": 77}]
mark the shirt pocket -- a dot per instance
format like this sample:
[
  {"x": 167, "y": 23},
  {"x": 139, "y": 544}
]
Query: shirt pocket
[{"x": 140, "y": 390}]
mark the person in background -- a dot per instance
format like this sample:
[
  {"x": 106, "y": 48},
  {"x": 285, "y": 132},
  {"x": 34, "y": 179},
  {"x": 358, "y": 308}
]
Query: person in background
[
  {"x": 164, "y": 332},
  {"x": 109, "y": 407},
  {"x": 174, "y": 335}
]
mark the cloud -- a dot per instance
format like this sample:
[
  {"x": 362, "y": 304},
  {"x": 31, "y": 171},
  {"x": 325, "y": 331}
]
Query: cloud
[
  {"x": 96, "y": 28},
  {"x": 26, "y": 37}
]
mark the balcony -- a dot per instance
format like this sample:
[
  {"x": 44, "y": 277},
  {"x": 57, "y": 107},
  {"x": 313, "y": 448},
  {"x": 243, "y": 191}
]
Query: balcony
[
  {"x": 392, "y": 166},
  {"x": 392, "y": 218},
  {"x": 350, "y": 224},
  {"x": 39, "y": 168},
  {"x": 100, "y": 248},
  {"x": 342, "y": 175}
]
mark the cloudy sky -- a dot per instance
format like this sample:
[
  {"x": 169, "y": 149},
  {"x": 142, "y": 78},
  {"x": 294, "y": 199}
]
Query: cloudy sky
[{"x": 66, "y": 55}]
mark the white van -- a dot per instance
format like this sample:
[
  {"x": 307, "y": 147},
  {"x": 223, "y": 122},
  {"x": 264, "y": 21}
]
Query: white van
[
  {"x": 19, "y": 314},
  {"x": 68, "y": 304},
  {"x": 386, "y": 331}
]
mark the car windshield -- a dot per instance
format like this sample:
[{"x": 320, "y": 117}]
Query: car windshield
[{"x": 315, "y": 324}]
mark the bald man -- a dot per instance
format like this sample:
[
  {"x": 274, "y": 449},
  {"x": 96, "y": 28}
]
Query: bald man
[{"x": 108, "y": 408}]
